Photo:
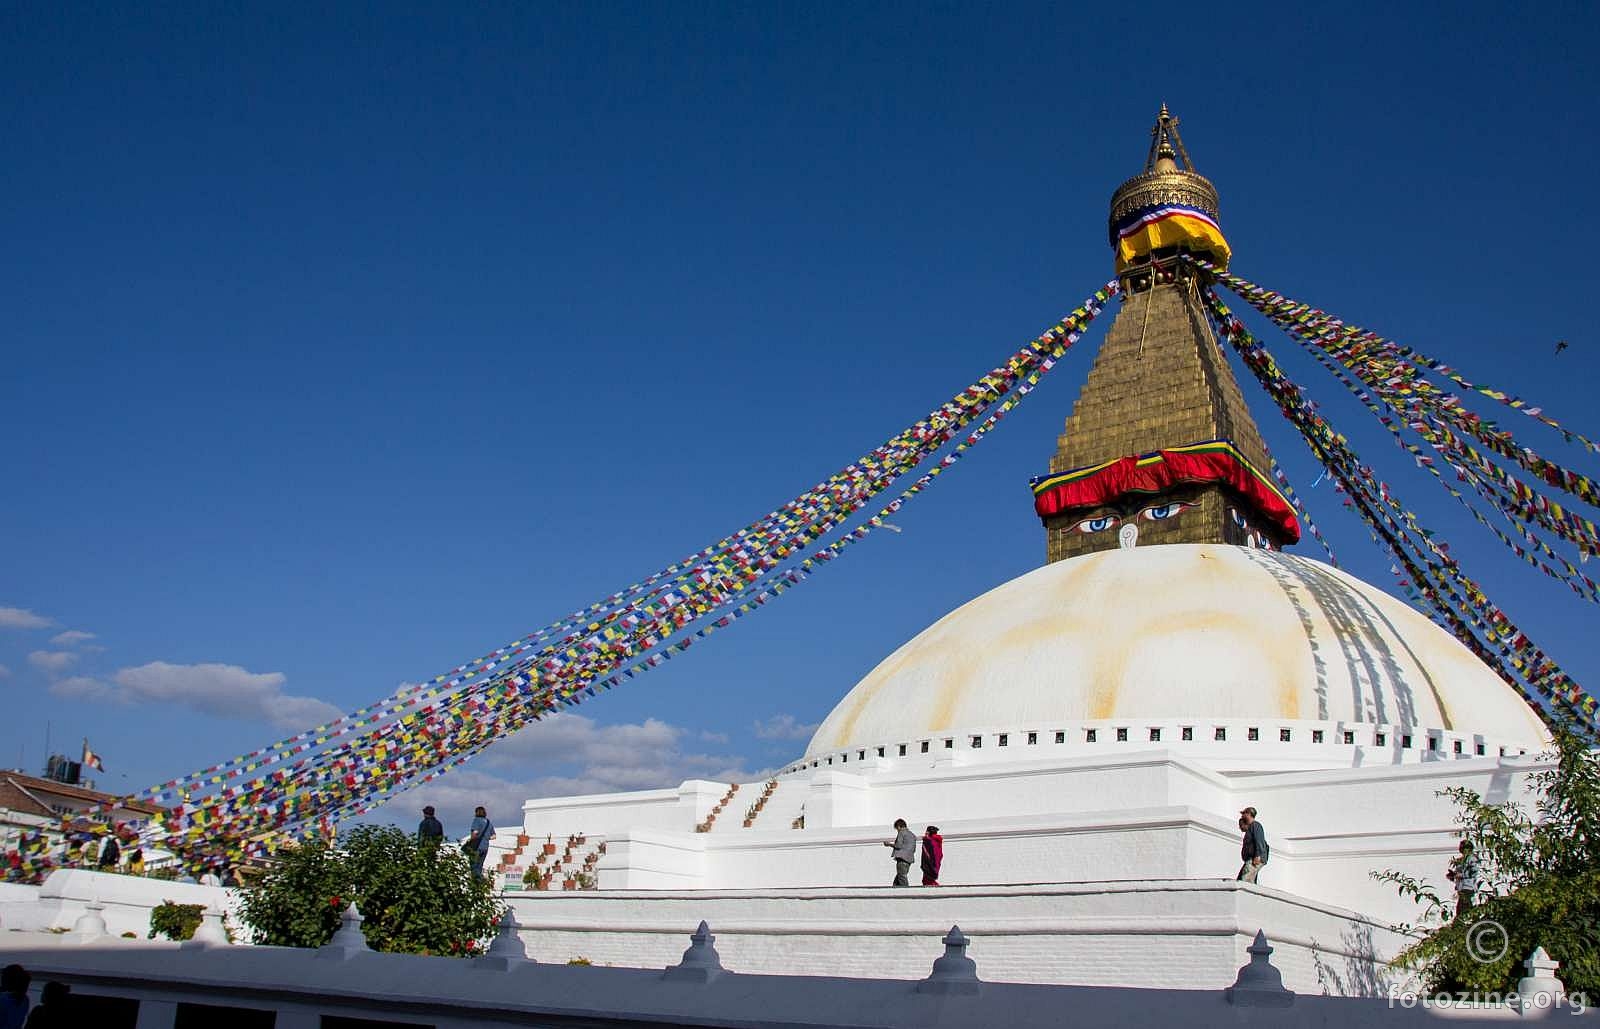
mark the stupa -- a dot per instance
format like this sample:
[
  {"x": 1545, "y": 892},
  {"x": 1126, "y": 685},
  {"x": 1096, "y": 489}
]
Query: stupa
[{"x": 1086, "y": 734}]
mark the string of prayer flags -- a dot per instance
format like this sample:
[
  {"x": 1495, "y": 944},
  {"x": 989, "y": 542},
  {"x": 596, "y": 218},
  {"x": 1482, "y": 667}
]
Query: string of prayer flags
[
  {"x": 244, "y": 806},
  {"x": 1435, "y": 576}
]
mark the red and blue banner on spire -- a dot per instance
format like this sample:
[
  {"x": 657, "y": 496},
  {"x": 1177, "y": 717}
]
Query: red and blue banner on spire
[{"x": 1168, "y": 225}]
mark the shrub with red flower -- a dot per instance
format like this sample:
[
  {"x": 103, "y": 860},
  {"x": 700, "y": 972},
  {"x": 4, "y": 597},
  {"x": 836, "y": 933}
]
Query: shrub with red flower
[{"x": 413, "y": 899}]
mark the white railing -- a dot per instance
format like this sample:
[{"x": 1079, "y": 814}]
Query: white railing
[
  {"x": 158, "y": 986},
  {"x": 1400, "y": 744}
]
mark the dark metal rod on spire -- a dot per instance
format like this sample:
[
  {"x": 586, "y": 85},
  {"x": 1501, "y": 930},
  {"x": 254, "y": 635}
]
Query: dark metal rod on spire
[
  {"x": 1155, "y": 140},
  {"x": 1165, "y": 131}
]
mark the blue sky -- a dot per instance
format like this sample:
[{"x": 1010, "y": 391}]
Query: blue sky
[{"x": 342, "y": 346}]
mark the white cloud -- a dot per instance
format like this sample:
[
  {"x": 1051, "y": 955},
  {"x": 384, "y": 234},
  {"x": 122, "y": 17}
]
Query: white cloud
[
  {"x": 631, "y": 756},
  {"x": 71, "y": 638},
  {"x": 5, "y": 673},
  {"x": 82, "y": 687},
  {"x": 580, "y": 757},
  {"x": 784, "y": 727},
  {"x": 21, "y": 618},
  {"x": 225, "y": 691},
  {"x": 707, "y": 736},
  {"x": 51, "y": 662}
]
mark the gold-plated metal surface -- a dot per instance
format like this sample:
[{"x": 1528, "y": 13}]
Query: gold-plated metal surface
[{"x": 1168, "y": 177}]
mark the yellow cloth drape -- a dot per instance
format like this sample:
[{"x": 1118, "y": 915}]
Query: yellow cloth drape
[{"x": 1173, "y": 229}]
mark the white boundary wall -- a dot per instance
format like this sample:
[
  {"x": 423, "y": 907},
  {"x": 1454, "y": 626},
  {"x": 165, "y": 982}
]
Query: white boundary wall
[
  {"x": 303, "y": 986},
  {"x": 1180, "y": 934}
]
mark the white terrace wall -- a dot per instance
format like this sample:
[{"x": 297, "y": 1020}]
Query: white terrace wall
[
  {"x": 1147, "y": 934},
  {"x": 1381, "y": 799},
  {"x": 877, "y": 791},
  {"x": 1130, "y": 782},
  {"x": 1297, "y": 802},
  {"x": 1125, "y": 815},
  {"x": 604, "y": 814},
  {"x": 1153, "y": 843},
  {"x": 125, "y": 900}
]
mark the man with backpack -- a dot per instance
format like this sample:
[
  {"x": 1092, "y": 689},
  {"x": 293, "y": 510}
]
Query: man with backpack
[{"x": 477, "y": 845}]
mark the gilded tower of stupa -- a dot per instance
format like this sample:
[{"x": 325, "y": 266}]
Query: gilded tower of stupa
[{"x": 1159, "y": 447}]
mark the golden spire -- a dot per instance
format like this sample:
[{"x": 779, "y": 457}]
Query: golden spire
[
  {"x": 1159, "y": 383},
  {"x": 1166, "y": 146},
  {"x": 1168, "y": 177}
]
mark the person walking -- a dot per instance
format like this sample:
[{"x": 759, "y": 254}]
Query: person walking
[
  {"x": 14, "y": 981},
  {"x": 477, "y": 845},
  {"x": 1253, "y": 850},
  {"x": 1464, "y": 873},
  {"x": 932, "y": 855},
  {"x": 429, "y": 830},
  {"x": 904, "y": 851}
]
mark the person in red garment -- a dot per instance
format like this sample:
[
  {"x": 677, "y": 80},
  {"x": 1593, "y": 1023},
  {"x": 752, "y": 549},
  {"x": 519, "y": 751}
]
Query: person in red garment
[{"x": 932, "y": 856}]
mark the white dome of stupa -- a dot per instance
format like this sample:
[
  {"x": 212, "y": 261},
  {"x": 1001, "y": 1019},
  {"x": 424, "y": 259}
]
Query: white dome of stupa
[{"x": 1183, "y": 631}]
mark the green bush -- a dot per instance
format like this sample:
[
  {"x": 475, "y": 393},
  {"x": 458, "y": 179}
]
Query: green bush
[
  {"x": 416, "y": 898},
  {"x": 1540, "y": 876},
  {"x": 175, "y": 921}
]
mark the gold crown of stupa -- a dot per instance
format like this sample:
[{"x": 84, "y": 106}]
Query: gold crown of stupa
[{"x": 1163, "y": 180}]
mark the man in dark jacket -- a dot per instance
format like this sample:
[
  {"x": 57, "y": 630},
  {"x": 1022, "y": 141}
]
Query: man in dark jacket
[
  {"x": 1254, "y": 849},
  {"x": 429, "y": 830}
]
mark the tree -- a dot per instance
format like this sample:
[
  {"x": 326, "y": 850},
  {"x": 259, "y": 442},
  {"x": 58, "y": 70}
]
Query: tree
[
  {"x": 1539, "y": 883},
  {"x": 415, "y": 897}
]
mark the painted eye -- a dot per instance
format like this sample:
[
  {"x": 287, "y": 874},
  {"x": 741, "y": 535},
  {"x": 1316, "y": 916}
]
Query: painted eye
[
  {"x": 1161, "y": 511},
  {"x": 1100, "y": 524}
]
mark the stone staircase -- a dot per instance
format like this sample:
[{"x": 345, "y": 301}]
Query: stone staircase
[
  {"x": 786, "y": 804},
  {"x": 720, "y": 812},
  {"x": 738, "y": 808}
]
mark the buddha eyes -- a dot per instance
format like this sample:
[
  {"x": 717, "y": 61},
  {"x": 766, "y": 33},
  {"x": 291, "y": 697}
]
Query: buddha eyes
[
  {"x": 1159, "y": 511},
  {"x": 1153, "y": 513}
]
